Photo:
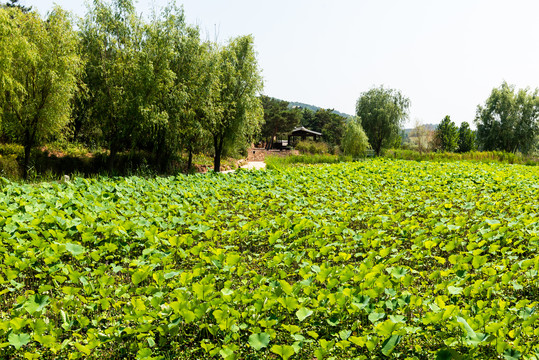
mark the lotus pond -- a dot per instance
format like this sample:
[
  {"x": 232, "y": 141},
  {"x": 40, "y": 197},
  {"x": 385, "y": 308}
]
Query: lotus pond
[{"x": 374, "y": 259}]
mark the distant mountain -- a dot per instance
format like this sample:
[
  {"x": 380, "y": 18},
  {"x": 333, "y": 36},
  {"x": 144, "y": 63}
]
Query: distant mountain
[{"x": 294, "y": 104}]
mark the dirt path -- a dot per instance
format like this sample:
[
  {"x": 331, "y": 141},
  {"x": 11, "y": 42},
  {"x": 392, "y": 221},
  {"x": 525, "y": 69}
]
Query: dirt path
[
  {"x": 251, "y": 165},
  {"x": 256, "y": 165}
]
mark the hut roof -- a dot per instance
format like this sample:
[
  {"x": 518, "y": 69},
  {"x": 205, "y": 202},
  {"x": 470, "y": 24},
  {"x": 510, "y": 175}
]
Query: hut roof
[{"x": 304, "y": 131}]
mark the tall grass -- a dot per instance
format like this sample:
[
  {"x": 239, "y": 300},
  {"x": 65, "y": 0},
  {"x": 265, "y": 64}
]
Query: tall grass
[
  {"x": 480, "y": 156},
  {"x": 278, "y": 162},
  {"x": 312, "y": 147}
]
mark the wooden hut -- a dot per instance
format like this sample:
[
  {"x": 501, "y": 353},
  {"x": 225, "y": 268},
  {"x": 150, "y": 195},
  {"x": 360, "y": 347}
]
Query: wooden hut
[{"x": 302, "y": 133}]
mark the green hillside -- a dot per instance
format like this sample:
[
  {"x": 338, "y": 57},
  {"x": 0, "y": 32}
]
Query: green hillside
[{"x": 293, "y": 104}]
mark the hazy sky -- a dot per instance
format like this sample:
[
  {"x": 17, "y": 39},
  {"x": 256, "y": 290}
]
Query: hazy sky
[{"x": 446, "y": 56}]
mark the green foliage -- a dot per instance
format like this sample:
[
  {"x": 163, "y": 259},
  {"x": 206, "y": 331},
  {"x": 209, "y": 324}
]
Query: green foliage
[
  {"x": 18, "y": 340},
  {"x": 237, "y": 112},
  {"x": 312, "y": 147},
  {"x": 284, "y": 351},
  {"x": 313, "y": 261},
  {"x": 259, "y": 341},
  {"x": 478, "y": 156},
  {"x": 279, "y": 162},
  {"x": 332, "y": 126},
  {"x": 466, "y": 138},
  {"x": 447, "y": 135},
  {"x": 382, "y": 112},
  {"x": 39, "y": 68},
  {"x": 123, "y": 73},
  {"x": 9, "y": 167},
  {"x": 15, "y": 4},
  {"x": 188, "y": 100},
  {"x": 509, "y": 120},
  {"x": 325, "y": 121},
  {"x": 156, "y": 86},
  {"x": 12, "y": 149},
  {"x": 307, "y": 118},
  {"x": 355, "y": 142},
  {"x": 278, "y": 118}
]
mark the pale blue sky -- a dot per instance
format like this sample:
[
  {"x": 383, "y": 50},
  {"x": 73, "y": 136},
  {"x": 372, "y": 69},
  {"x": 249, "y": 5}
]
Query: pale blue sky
[{"x": 445, "y": 56}]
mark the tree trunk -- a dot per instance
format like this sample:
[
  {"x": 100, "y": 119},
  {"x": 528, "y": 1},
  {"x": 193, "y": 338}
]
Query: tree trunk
[
  {"x": 28, "y": 143},
  {"x": 27, "y": 150},
  {"x": 377, "y": 147},
  {"x": 218, "y": 147},
  {"x": 190, "y": 159},
  {"x": 112, "y": 158}
]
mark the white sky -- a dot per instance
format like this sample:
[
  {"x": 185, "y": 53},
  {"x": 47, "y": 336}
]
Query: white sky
[{"x": 446, "y": 56}]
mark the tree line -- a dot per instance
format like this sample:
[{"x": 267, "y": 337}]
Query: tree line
[
  {"x": 124, "y": 83},
  {"x": 280, "y": 119},
  {"x": 117, "y": 81},
  {"x": 508, "y": 121}
]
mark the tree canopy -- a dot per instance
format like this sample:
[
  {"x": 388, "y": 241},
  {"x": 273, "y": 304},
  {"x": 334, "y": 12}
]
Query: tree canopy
[
  {"x": 15, "y": 4},
  {"x": 509, "y": 120},
  {"x": 278, "y": 118},
  {"x": 237, "y": 112},
  {"x": 466, "y": 138},
  {"x": 382, "y": 112},
  {"x": 157, "y": 86},
  {"x": 447, "y": 135},
  {"x": 39, "y": 65}
]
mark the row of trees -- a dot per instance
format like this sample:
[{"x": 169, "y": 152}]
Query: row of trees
[
  {"x": 509, "y": 121},
  {"x": 121, "y": 82},
  {"x": 125, "y": 83},
  {"x": 446, "y": 137},
  {"x": 450, "y": 138}
]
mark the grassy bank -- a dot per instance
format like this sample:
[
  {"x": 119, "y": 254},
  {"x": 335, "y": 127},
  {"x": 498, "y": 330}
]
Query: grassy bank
[
  {"x": 480, "y": 156},
  {"x": 277, "y": 162},
  {"x": 52, "y": 162}
]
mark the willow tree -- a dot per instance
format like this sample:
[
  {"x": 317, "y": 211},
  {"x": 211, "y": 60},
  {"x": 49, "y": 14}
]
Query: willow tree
[
  {"x": 382, "y": 112},
  {"x": 124, "y": 75},
  {"x": 236, "y": 112},
  {"x": 509, "y": 120},
  {"x": 354, "y": 141},
  {"x": 189, "y": 98},
  {"x": 39, "y": 65}
]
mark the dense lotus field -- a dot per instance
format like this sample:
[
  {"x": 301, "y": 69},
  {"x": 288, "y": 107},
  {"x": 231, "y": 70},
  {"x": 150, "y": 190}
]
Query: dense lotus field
[{"x": 364, "y": 260}]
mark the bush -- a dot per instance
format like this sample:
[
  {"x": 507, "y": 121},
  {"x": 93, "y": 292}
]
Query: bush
[
  {"x": 9, "y": 167},
  {"x": 355, "y": 142},
  {"x": 277, "y": 162},
  {"x": 12, "y": 149},
  {"x": 312, "y": 147}
]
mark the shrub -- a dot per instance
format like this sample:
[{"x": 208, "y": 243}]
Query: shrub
[
  {"x": 312, "y": 147},
  {"x": 355, "y": 142},
  {"x": 12, "y": 149},
  {"x": 9, "y": 167},
  {"x": 277, "y": 162}
]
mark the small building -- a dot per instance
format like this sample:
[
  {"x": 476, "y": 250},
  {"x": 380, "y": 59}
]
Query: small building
[{"x": 302, "y": 133}]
